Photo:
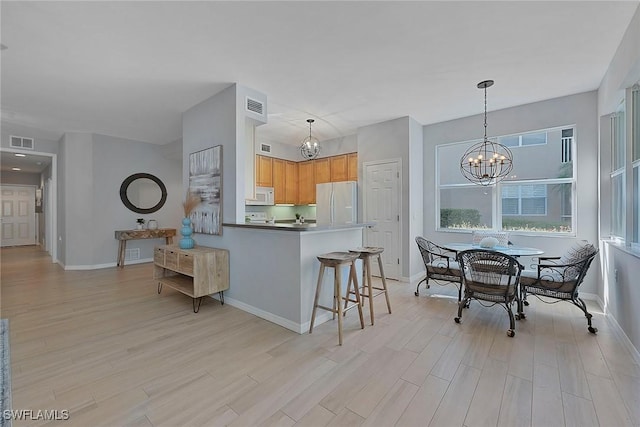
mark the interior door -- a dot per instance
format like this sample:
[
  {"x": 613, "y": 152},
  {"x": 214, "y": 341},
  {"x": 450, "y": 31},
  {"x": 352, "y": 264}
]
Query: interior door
[
  {"x": 18, "y": 215},
  {"x": 382, "y": 206}
]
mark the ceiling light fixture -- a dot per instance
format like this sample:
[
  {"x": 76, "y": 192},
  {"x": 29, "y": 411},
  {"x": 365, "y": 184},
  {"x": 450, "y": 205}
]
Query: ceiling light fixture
[
  {"x": 16, "y": 169},
  {"x": 20, "y": 155},
  {"x": 310, "y": 146},
  {"x": 486, "y": 162}
]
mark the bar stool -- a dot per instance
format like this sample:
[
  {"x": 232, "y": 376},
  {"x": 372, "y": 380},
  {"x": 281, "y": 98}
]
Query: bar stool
[
  {"x": 336, "y": 260},
  {"x": 365, "y": 254}
]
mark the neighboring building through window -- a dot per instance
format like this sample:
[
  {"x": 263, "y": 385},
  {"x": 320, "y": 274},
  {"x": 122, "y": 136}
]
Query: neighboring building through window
[{"x": 567, "y": 143}]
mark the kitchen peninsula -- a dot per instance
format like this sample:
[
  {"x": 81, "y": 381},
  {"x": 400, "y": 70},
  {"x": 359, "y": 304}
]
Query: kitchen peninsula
[{"x": 274, "y": 269}]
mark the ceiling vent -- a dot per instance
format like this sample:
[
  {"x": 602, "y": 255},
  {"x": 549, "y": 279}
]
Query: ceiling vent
[
  {"x": 21, "y": 142},
  {"x": 255, "y": 106},
  {"x": 265, "y": 148}
]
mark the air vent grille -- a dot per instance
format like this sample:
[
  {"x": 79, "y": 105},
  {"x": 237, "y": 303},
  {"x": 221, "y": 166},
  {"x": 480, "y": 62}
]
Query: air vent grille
[
  {"x": 21, "y": 142},
  {"x": 265, "y": 148},
  {"x": 255, "y": 106}
]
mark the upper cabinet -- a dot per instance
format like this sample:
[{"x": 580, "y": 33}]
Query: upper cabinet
[
  {"x": 291, "y": 182},
  {"x": 322, "y": 170},
  {"x": 295, "y": 182},
  {"x": 338, "y": 166},
  {"x": 306, "y": 183},
  {"x": 279, "y": 181},
  {"x": 264, "y": 171},
  {"x": 352, "y": 167}
]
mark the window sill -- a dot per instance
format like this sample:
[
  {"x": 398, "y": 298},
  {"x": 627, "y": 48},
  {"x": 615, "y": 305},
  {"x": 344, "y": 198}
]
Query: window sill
[{"x": 632, "y": 249}]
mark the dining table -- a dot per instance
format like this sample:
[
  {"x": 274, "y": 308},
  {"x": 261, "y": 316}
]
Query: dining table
[{"x": 512, "y": 250}]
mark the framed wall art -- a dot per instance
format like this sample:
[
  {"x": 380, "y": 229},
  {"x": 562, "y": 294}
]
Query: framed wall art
[{"x": 205, "y": 180}]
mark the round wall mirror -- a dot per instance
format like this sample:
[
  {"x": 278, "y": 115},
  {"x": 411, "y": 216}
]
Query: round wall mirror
[{"x": 143, "y": 193}]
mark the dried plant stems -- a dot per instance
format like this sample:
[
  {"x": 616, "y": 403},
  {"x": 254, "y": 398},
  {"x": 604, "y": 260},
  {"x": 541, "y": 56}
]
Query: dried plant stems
[{"x": 190, "y": 202}]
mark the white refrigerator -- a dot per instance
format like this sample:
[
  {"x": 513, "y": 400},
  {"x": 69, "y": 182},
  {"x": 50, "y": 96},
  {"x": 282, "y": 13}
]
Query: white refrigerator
[{"x": 336, "y": 203}]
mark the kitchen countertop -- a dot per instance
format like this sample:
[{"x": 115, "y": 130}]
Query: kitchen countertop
[{"x": 297, "y": 227}]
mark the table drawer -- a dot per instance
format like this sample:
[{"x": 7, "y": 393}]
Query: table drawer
[
  {"x": 158, "y": 256},
  {"x": 171, "y": 259},
  {"x": 185, "y": 263}
]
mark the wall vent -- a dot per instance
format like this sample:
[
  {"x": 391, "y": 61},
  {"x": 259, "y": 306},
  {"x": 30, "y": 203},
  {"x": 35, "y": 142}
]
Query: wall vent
[
  {"x": 21, "y": 142},
  {"x": 255, "y": 106},
  {"x": 265, "y": 148},
  {"x": 131, "y": 254}
]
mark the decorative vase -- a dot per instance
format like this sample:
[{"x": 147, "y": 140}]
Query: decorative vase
[
  {"x": 152, "y": 224},
  {"x": 186, "y": 242}
]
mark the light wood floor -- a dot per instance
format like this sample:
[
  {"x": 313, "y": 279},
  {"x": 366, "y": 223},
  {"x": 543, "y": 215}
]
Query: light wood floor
[{"x": 105, "y": 346}]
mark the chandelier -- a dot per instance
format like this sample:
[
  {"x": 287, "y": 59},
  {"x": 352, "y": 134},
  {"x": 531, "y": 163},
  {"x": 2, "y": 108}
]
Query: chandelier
[
  {"x": 310, "y": 147},
  {"x": 486, "y": 162}
]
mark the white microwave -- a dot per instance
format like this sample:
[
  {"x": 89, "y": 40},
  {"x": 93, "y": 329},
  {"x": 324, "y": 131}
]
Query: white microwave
[{"x": 264, "y": 197}]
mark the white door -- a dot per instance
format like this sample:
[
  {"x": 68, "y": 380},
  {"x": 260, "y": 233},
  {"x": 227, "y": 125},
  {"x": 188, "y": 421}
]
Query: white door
[
  {"x": 381, "y": 202},
  {"x": 18, "y": 215}
]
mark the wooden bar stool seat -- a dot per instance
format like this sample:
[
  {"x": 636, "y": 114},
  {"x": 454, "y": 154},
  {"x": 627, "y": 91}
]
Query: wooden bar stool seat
[
  {"x": 367, "y": 290},
  {"x": 336, "y": 260}
]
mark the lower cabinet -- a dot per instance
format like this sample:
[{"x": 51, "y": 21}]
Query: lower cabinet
[{"x": 196, "y": 272}]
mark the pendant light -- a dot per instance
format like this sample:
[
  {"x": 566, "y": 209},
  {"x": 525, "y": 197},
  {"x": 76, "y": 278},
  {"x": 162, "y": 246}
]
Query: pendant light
[
  {"x": 486, "y": 162},
  {"x": 310, "y": 147}
]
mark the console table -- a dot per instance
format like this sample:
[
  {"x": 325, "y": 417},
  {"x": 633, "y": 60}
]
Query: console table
[
  {"x": 124, "y": 235},
  {"x": 196, "y": 272}
]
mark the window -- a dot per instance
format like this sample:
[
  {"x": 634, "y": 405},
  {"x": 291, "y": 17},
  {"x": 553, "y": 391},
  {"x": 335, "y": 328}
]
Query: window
[
  {"x": 635, "y": 141},
  {"x": 538, "y": 198},
  {"x": 567, "y": 142},
  {"x": 524, "y": 199},
  {"x": 618, "y": 207},
  {"x": 534, "y": 138}
]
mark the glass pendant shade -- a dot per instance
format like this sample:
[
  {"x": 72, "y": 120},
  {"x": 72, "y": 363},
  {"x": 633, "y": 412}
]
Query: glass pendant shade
[
  {"x": 486, "y": 162},
  {"x": 310, "y": 146}
]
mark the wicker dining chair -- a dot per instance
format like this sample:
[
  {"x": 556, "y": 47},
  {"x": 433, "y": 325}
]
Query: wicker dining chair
[
  {"x": 492, "y": 277},
  {"x": 440, "y": 265},
  {"x": 559, "y": 278}
]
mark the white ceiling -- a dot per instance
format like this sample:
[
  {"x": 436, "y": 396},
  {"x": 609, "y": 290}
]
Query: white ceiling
[{"x": 129, "y": 69}]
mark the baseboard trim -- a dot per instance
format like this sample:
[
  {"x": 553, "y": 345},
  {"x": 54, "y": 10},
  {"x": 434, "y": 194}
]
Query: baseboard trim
[
  {"x": 105, "y": 265},
  {"x": 617, "y": 329},
  {"x": 281, "y": 321}
]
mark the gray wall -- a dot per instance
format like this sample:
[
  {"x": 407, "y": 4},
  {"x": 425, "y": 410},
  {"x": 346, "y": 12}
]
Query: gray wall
[
  {"x": 19, "y": 178},
  {"x": 392, "y": 140},
  {"x": 618, "y": 286},
  {"x": 210, "y": 123},
  {"x": 416, "y": 197},
  {"x": 577, "y": 109},
  {"x": 91, "y": 169},
  {"x": 115, "y": 159}
]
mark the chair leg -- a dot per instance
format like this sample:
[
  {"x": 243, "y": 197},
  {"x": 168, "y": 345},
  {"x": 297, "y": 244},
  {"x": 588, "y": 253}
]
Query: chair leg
[
  {"x": 354, "y": 278},
  {"x": 367, "y": 267},
  {"x": 337, "y": 290},
  {"x": 582, "y": 306},
  {"x": 384, "y": 283},
  {"x": 317, "y": 297},
  {"x": 512, "y": 323},
  {"x": 462, "y": 304},
  {"x": 426, "y": 281}
]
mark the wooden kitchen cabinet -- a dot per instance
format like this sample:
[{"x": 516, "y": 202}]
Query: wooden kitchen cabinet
[
  {"x": 264, "y": 171},
  {"x": 339, "y": 168},
  {"x": 279, "y": 181},
  {"x": 322, "y": 170},
  {"x": 291, "y": 182},
  {"x": 196, "y": 272},
  {"x": 306, "y": 183},
  {"x": 352, "y": 166}
]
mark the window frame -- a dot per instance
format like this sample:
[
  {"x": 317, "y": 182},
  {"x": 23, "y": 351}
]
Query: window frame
[{"x": 496, "y": 189}]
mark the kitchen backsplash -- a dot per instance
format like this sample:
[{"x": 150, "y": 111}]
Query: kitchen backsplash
[{"x": 285, "y": 212}]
